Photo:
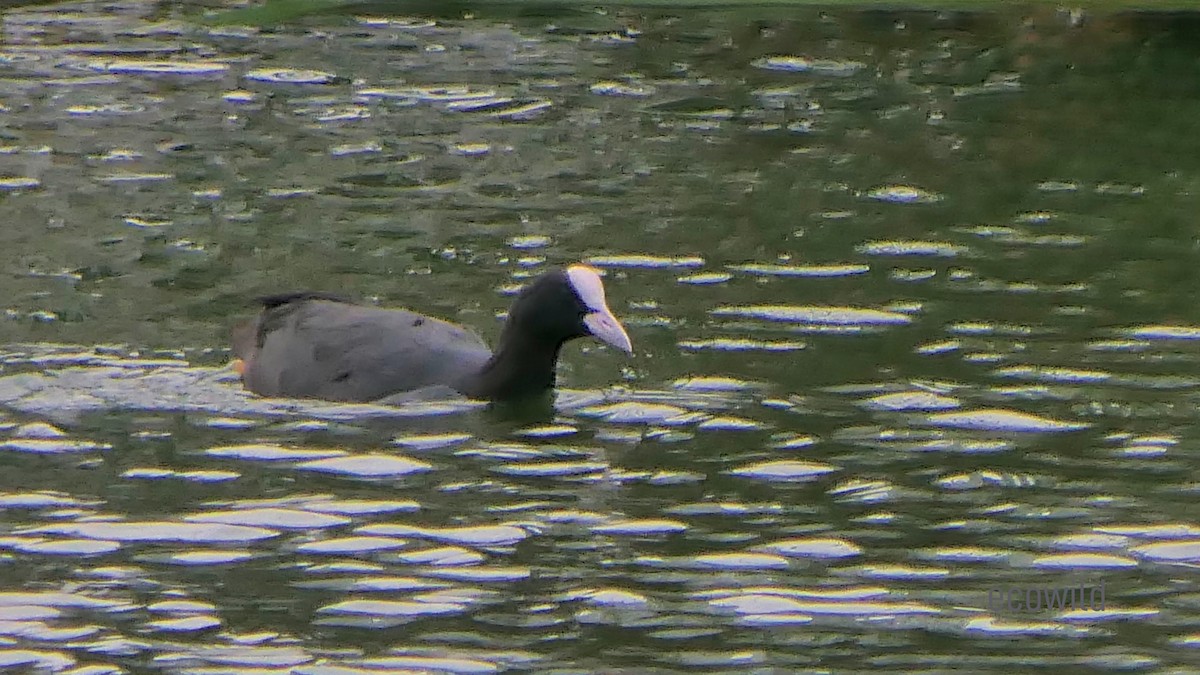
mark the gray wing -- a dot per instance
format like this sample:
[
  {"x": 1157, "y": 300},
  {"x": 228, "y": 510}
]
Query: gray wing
[{"x": 343, "y": 352}]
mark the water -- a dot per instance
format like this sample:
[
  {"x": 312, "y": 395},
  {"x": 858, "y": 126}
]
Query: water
[{"x": 912, "y": 297}]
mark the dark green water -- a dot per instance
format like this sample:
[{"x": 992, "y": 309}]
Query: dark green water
[{"x": 911, "y": 294}]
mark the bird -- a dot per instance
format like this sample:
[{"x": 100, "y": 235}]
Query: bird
[{"x": 323, "y": 346}]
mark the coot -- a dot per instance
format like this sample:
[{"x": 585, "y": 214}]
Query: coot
[{"x": 319, "y": 345}]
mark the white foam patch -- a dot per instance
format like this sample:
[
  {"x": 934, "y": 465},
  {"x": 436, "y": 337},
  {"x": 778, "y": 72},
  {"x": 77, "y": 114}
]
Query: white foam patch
[{"x": 588, "y": 286}]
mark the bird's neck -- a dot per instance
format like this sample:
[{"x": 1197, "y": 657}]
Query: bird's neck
[{"x": 522, "y": 365}]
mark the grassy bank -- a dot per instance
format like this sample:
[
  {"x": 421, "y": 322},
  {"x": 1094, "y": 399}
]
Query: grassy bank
[{"x": 274, "y": 11}]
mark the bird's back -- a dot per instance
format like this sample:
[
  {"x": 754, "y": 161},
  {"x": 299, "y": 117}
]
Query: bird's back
[{"x": 314, "y": 346}]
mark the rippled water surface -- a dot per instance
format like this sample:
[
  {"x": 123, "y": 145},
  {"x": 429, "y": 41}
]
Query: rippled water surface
[{"x": 912, "y": 297}]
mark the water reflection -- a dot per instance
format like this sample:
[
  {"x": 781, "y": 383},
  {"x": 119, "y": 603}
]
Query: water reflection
[{"x": 913, "y": 294}]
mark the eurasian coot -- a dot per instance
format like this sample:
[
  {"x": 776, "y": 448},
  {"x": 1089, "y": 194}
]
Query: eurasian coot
[{"x": 318, "y": 345}]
